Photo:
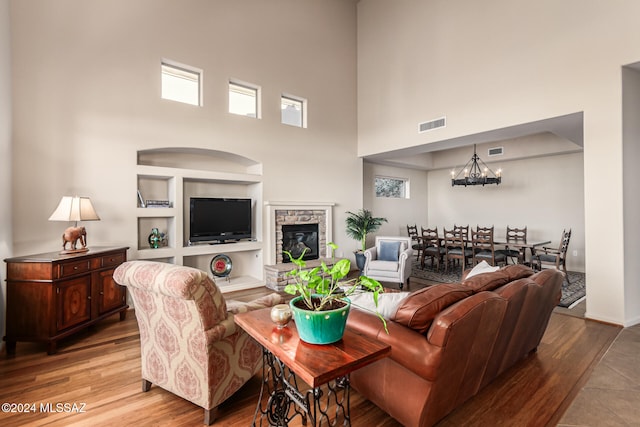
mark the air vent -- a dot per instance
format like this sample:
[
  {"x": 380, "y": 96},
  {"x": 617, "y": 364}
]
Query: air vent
[
  {"x": 496, "y": 151},
  {"x": 433, "y": 124}
]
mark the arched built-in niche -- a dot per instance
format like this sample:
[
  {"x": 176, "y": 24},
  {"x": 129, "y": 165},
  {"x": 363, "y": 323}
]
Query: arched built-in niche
[{"x": 174, "y": 175}]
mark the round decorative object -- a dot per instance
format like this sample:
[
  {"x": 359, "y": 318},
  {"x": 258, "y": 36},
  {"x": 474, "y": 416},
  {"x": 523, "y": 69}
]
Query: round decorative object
[
  {"x": 281, "y": 315},
  {"x": 221, "y": 265}
]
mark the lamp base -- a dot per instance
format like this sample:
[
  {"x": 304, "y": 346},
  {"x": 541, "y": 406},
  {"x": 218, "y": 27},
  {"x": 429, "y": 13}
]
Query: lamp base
[{"x": 73, "y": 251}]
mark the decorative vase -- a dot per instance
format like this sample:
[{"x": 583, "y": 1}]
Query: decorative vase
[
  {"x": 155, "y": 238},
  {"x": 281, "y": 315},
  {"x": 320, "y": 327},
  {"x": 360, "y": 260}
]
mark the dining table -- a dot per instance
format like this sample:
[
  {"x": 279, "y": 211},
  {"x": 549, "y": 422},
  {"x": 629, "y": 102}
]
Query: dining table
[{"x": 531, "y": 245}]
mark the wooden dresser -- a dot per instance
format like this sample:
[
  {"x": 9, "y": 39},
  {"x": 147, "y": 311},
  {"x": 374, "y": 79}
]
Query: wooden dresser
[{"x": 51, "y": 296}]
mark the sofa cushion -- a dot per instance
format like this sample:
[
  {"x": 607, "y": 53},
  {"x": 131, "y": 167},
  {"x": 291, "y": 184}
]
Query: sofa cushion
[
  {"x": 377, "y": 265},
  {"x": 387, "y": 303},
  {"x": 389, "y": 251},
  {"x": 419, "y": 309},
  {"x": 487, "y": 281},
  {"x": 517, "y": 271}
]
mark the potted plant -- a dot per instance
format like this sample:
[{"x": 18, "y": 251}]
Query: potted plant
[
  {"x": 359, "y": 224},
  {"x": 321, "y": 306}
]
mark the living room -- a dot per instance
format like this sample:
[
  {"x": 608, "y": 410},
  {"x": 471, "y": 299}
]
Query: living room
[{"x": 83, "y": 80}]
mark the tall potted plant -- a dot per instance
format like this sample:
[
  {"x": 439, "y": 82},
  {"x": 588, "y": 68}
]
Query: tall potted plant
[
  {"x": 359, "y": 224},
  {"x": 321, "y": 306}
]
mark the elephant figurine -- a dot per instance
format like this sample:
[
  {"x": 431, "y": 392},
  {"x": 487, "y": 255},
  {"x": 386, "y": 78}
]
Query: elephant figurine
[{"x": 72, "y": 235}]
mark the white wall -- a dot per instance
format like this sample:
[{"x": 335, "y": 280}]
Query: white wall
[
  {"x": 5, "y": 153},
  {"x": 87, "y": 98},
  {"x": 494, "y": 64},
  {"x": 399, "y": 212}
]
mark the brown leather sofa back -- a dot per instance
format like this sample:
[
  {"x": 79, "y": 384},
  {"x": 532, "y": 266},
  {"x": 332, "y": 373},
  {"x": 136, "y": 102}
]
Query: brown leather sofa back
[{"x": 466, "y": 345}]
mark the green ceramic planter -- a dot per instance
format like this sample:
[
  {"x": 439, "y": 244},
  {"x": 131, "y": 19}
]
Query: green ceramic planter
[{"x": 320, "y": 327}]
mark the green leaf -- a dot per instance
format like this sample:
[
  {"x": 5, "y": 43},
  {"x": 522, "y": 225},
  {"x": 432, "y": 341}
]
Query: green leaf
[{"x": 340, "y": 269}]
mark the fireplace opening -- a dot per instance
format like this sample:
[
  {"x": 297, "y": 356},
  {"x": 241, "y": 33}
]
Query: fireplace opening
[{"x": 298, "y": 237}]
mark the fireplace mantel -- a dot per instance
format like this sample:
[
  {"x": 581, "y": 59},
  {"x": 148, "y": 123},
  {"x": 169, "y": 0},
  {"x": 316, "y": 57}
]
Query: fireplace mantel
[{"x": 270, "y": 211}]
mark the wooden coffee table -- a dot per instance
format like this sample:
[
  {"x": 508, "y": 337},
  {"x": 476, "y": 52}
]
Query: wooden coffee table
[{"x": 324, "y": 368}]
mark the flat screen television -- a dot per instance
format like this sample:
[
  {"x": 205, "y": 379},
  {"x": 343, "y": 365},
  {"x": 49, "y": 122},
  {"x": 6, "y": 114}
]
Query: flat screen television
[{"x": 219, "y": 219}]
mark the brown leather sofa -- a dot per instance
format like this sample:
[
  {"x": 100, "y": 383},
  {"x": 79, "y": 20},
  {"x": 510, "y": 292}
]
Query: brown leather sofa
[{"x": 451, "y": 340}]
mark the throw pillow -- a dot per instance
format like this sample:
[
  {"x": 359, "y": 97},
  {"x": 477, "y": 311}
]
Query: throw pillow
[
  {"x": 389, "y": 251},
  {"x": 419, "y": 309},
  {"x": 387, "y": 303},
  {"x": 480, "y": 268}
]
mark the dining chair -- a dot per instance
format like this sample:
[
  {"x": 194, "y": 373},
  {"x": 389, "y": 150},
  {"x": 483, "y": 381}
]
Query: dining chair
[
  {"x": 416, "y": 242},
  {"x": 552, "y": 256},
  {"x": 484, "y": 248},
  {"x": 482, "y": 229},
  {"x": 464, "y": 229},
  {"x": 432, "y": 247},
  {"x": 456, "y": 248},
  {"x": 515, "y": 235}
]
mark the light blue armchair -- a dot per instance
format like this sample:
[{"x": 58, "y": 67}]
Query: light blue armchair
[{"x": 389, "y": 260}]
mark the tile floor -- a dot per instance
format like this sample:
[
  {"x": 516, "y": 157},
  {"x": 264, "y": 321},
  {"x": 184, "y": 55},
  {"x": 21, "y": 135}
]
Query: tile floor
[{"x": 611, "y": 396}]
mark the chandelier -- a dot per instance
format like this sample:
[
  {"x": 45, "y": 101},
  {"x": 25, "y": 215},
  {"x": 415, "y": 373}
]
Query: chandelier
[{"x": 476, "y": 172}]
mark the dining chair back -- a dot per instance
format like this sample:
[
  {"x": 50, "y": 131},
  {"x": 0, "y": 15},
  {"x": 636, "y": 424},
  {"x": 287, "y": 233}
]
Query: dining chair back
[
  {"x": 484, "y": 248},
  {"x": 554, "y": 257},
  {"x": 456, "y": 248},
  {"x": 416, "y": 242},
  {"x": 432, "y": 247},
  {"x": 464, "y": 230},
  {"x": 518, "y": 236}
]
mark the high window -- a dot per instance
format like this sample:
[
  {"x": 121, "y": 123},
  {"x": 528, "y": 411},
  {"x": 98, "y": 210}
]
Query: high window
[
  {"x": 293, "y": 111},
  {"x": 181, "y": 83},
  {"x": 397, "y": 188},
  {"x": 244, "y": 99}
]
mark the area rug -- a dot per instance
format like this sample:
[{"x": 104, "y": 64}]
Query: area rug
[{"x": 572, "y": 293}]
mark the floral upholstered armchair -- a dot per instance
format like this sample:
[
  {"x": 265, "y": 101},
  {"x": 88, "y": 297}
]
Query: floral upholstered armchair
[{"x": 190, "y": 344}]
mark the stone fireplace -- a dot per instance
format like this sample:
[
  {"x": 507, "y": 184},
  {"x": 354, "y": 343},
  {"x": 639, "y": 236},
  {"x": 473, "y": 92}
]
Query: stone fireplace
[
  {"x": 293, "y": 218},
  {"x": 293, "y": 215}
]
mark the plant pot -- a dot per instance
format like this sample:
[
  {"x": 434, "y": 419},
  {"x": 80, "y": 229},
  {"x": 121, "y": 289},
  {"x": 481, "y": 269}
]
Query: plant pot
[
  {"x": 320, "y": 327},
  {"x": 360, "y": 260}
]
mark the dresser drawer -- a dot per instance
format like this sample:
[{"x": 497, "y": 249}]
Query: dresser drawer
[
  {"x": 112, "y": 260},
  {"x": 73, "y": 268}
]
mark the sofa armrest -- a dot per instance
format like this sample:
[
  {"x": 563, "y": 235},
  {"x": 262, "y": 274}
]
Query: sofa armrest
[
  {"x": 408, "y": 347},
  {"x": 236, "y": 307},
  {"x": 405, "y": 255},
  {"x": 371, "y": 254}
]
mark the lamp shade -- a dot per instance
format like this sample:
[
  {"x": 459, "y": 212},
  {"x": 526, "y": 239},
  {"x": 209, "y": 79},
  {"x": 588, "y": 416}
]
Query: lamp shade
[{"x": 74, "y": 209}]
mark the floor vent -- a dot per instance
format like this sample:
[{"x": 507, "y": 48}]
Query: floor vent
[
  {"x": 496, "y": 151},
  {"x": 433, "y": 124}
]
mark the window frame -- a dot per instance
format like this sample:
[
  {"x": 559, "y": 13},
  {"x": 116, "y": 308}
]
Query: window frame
[
  {"x": 181, "y": 71},
  {"x": 405, "y": 187},
  {"x": 303, "y": 109},
  {"x": 241, "y": 85}
]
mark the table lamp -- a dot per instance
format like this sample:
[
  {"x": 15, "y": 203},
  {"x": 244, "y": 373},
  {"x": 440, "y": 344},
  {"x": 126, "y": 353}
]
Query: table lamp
[{"x": 74, "y": 209}]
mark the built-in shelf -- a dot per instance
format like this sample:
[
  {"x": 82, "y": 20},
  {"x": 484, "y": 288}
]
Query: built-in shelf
[{"x": 165, "y": 174}]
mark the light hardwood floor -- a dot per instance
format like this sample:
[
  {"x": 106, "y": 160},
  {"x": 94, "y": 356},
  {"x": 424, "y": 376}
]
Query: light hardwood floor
[{"x": 100, "y": 369}]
